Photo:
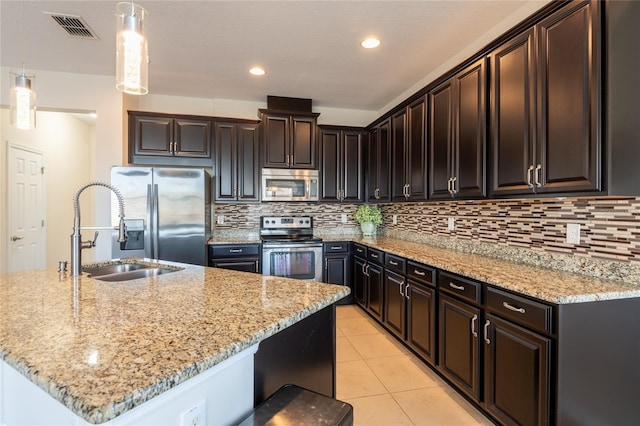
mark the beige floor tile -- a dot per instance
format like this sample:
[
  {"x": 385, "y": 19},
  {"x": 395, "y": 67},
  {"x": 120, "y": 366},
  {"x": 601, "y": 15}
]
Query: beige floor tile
[
  {"x": 376, "y": 345},
  {"x": 348, "y": 311},
  {"x": 401, "y": 373},
  {"x": 355, "y": 379},
  {"x": 438, "y": 407},
  {"x": 377, "y": 410},
  {"x": 345, "y": 350},
  {"x": 358, "y": 326}
]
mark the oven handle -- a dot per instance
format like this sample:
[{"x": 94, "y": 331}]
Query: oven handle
[{"x": 291, "y": 247}]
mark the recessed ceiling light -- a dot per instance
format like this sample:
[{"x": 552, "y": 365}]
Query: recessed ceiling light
[
  {"x": 257, "y": 71},
  {"x": 370, "y": 43}
]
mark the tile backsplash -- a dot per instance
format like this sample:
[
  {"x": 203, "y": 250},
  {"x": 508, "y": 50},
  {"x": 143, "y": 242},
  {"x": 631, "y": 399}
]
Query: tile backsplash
[{"x": 523, "y": 230}]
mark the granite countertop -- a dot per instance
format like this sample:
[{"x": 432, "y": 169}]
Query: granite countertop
[
  {"x": 545, "y": 284},
  {"x": 101, "y": 348}
]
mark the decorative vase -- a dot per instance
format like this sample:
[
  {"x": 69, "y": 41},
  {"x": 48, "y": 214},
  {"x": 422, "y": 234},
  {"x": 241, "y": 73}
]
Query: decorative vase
[{"x": 368, "y": 229}]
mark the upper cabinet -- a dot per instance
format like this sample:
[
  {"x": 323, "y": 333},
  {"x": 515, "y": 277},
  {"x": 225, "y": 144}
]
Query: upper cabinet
[
  {"x": 457, "y": 129},
  {"x": 408, "y": 152},
  {"x": 379, "y": 163},
  {"x": 545, "y": 106},
  {"x": 342, "y": 164},
  {"x": 237, "y": 166},
  {"x": 163, "y": 139},
  {"x": 289, "y": 139}
]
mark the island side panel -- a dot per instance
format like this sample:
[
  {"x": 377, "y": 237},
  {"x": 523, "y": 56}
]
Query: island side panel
[
  {"x": 599, "y": 362},
  {"x": 303, "y": 354}
]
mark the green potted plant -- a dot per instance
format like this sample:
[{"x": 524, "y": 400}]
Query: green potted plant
[{"x": 368, "y": 217}]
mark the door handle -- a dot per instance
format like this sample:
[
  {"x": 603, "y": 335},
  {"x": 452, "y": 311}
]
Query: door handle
[
  {"x": 473, "y": 325},
  {"x": 529, "y": 173},
  {"x": 486, "y": 333},
  {"x": 406, "y": 291},
  {"x": 454, "y": 191},
  {"x": 537, "y": 176},
  {"x": 15, "y": 238}
]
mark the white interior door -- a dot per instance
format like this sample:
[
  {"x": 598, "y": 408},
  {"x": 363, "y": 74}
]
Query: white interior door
[{"x": 26, "y": 213}]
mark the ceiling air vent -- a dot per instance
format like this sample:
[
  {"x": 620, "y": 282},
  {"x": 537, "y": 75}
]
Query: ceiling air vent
[{"x": 73, "y": 25}]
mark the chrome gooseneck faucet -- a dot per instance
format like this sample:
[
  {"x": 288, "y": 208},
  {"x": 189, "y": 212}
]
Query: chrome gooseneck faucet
[{"x": 76, "y": 239}]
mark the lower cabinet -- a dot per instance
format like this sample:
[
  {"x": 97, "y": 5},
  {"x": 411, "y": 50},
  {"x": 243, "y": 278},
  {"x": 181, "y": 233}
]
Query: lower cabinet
[
  {"x": 374, "y": 290},
  {"x": 395, "y": 303},
  {"x": 337, "y": 266},
  {"x": 239, "y": 257},
  {"x": 368, "y": 279}
]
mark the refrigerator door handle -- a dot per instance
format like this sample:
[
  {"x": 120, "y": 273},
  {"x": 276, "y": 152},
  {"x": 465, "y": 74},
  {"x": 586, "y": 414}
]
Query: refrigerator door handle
[
  {"x": 155, "y": 237},
  {"x": 148, "y": 237}
]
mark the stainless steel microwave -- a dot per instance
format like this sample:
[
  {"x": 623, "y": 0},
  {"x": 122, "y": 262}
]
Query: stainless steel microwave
[{"x": 289, "y": 185}]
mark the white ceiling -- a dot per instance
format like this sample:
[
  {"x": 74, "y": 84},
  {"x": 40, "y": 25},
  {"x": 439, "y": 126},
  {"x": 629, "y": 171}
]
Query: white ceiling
[{"x": 310, "y": 49}]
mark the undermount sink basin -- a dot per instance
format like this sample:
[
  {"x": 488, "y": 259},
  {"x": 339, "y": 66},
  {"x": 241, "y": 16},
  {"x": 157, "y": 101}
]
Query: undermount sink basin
[{"x": 126, "y": 270}]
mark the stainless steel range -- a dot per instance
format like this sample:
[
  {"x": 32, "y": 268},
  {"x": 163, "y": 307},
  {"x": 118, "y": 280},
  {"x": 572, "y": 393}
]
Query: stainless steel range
[{"x": 289, "y": 248}]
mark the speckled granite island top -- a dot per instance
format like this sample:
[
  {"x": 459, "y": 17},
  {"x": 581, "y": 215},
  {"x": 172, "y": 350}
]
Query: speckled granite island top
[
  {"x": 101, "y": 348},
  {"x": 545, "y": 284}
]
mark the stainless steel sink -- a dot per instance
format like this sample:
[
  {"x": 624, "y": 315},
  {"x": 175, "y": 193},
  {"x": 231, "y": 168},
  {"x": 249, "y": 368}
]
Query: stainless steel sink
[{"x": 126, "y": 270}]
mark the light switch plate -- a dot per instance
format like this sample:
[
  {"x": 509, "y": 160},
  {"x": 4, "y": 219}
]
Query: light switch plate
[
  {"x": 573, "y": 233},
  {"x": 451, "y": 224},
  {"x": 220, "y": 219},
  {"x": 344, "y": 218}
]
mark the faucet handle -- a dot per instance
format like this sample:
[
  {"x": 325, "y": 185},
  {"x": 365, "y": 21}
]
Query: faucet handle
[{"x": 95, "y": 238}]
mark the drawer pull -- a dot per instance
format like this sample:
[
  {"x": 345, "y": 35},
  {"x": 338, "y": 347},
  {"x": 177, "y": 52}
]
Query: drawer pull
[
  {"x": 486, "y": 332},
  {"x": 336, "y": 247},
  {"x": 394, "y": 263},
  {"x": 420, "y": 273},
  {"x": 513, "y": 308},
  {"x": 406, "y": 291},
  {"x": 359, "y": 250},
  {"x": 456, "y": 287},
  {"x": 375, "y": 256},
  {"x": 473, "y": 325},
  {"x": 235, "y": 250}
]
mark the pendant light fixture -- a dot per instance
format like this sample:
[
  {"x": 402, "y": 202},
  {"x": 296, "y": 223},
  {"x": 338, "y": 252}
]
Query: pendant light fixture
[
  {"x": 132, "y": 56},
  {"x": 22, "y": 95}
]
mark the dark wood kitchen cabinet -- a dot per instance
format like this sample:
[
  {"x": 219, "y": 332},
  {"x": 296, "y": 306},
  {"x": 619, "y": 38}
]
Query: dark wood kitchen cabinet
[
  {"x": 164, "y": 139},
  {"x": 289, "y": 139},
  {"x": 359, "y": 274},
  {"x": 409, "y": 154},
  {"x": 421, "y": 327},
  {"x": 238, "y": 257},
  {"x": 395, "y": 318},
  {"x": 368, "y": 276},
  {"x": 379, "y": 163},
  {"x": 342, "y": 164},
  {"x": 237, "y": 165},
  {"x": 545, "y": 106},
  {"x": 457, "y": 135},
  {"x": 337, "y": 266}
]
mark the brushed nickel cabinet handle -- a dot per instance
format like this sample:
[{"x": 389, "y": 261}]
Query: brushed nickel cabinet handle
[
  {"x": 529, "y": 173},
  {"x": 420, "y": 273},
  {"x": 393, "y": 263},
  {"x": 473, "y": 326},
  {"x": 486, "y": 332},
  {"x": 456, "y": 287},
  {"x": 513, "y": 308},
  {"x": 537, "y": 176}
]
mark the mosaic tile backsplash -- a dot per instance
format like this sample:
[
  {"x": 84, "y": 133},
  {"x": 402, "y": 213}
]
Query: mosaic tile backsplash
[{"x": 524, "y": 230}]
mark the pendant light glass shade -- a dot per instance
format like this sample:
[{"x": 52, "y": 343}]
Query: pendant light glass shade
[
  {"x": 22, "y": 101},
  {"x": 132, "y": 56}
]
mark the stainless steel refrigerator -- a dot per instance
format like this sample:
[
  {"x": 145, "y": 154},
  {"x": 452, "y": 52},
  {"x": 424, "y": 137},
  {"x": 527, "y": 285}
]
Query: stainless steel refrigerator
[{"x": 167, "y": 213}]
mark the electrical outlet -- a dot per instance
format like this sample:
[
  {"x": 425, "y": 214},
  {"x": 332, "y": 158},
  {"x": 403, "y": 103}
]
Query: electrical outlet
[
  {"x": 344, "y": 218},
  {"x": 395, "y": 219},
  {"x": 220, "y": 219},
  {"x": 195, "y": 416},
  {"x": 451, "y": 224},
  {"x": 573, "y": 233}
]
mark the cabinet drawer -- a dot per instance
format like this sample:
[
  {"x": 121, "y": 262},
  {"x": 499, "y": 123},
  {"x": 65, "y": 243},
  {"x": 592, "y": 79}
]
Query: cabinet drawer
[
  {"x": 421, "y": 273},
  {"x": 461, "y": 287},
  {"x": 359, "y": 250},
  {"x": 232, "y": 250},
  {"x": 395, "y": 263},
  {"x": 337, "y": 247},
  {"x": 526, "y": 312},
  {"x": 376, "y": 256}
]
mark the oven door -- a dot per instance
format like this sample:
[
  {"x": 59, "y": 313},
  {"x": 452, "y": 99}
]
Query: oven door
[{"x": 291, "y": 260}]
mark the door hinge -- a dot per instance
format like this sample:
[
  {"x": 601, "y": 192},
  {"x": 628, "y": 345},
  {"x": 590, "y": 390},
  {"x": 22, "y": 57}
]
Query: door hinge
[{"x": 41, "y": 170}]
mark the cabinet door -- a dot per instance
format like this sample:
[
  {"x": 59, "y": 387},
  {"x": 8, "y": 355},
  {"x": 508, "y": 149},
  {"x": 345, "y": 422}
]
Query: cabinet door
[
  {"x": 416, "y": 151},
  {"x": 373, "y": 160},
  {"x": 399, "y": 155},
  {"x": 394, "y": 303},
  {"x": 330, "y": 159},
  {"x": 513, "y": 115},
  {"x": 569, "y": 100},
  {"x": 226, "y": 161},
  {"x": 470, "y": 129},
  {"x": 375, "y": 287},
  {"x": 248, "y": 168},
  {"x": 150, "y": 136},
  {"x": 352, "y": 166},
  {"x": 459, "y": 355},
  {"x": 360, "y": 281},
  {"x": 440, "y": 140},
  {"x": 421, "y": 320},
  {"x": 384, "y": 165},
  {"x": 303, "y": 143},
  {"x": 516, "y": 374},
  {"x": 336, "y": 270},
  {"x": 192, "y": 138},
  {"x": 276, "y": 140}
]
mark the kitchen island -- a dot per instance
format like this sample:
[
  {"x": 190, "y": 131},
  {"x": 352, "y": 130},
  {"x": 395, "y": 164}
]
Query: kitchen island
[{"x": 105, "y": 351}]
